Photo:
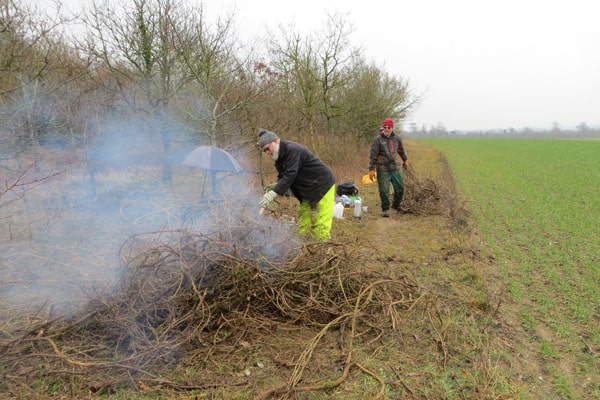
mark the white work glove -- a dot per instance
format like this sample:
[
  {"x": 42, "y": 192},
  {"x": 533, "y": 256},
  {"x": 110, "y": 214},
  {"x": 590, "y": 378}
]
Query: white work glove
[{"x": 267, "y": 198}]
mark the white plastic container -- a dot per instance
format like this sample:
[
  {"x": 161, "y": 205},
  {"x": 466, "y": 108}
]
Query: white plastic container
[
  {"x": 357, "y": 208},
  {"x": 338, "y": 210}
]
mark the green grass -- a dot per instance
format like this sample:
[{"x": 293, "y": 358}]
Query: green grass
[{"x": 536, "y": 204}]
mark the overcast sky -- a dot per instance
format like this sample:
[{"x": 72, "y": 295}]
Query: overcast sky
[{"x": 478, "y": 64}]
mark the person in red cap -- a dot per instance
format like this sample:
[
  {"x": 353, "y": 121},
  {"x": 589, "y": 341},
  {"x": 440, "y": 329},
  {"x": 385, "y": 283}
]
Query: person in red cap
[{"x": 385, "y": 149}]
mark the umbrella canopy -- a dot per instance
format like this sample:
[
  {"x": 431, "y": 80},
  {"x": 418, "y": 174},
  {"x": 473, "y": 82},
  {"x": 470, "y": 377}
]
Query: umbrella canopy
[{"x": 210, "y": 158}]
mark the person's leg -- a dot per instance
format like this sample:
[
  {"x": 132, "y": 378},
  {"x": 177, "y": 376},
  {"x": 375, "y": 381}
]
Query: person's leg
[
  {"x": 396, "y": 178},
  {"x": 383, "y": 181},
  {"x": 304, "y": 218},
  {"x": 323, "y": 215}
]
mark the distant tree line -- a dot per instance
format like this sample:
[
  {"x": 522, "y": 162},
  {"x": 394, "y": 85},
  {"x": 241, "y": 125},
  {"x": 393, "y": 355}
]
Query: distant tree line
[
  {"x": 582, "y": 130},
  {"x": 182, "y": 79}
]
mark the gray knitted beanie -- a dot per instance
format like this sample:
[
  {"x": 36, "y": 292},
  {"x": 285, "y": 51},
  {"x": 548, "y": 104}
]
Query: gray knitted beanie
[{"x": 265, "y": 137}]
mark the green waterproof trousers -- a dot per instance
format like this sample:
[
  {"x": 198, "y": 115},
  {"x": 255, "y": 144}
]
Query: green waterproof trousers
[{"x": 384, "y": 178}]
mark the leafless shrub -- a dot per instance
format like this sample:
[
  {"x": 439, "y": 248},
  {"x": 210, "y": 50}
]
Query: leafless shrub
[
  {"x": 427, "y": 196},
  {"x": 13, "y": 193}
]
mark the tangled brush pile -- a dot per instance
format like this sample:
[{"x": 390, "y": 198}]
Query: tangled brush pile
[{"x": 186, "y": 286}]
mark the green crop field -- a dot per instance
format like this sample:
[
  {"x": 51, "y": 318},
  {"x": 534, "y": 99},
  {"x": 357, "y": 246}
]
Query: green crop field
[{"x": 536, "y": 204}]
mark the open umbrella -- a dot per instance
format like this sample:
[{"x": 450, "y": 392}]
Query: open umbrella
[{"x": 209, "y": 158}]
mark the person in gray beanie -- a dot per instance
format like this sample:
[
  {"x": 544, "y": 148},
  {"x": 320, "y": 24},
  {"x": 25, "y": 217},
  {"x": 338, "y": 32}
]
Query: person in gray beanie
[
  {"x": 266, "y": 137},
  {"x": 309, "y": 179}
]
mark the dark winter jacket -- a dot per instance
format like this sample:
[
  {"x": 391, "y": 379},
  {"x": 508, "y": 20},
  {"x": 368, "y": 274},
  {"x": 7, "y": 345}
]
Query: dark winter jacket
[
  {"x": 303, "y": 172},
  {"x": 383, "y": 153}
]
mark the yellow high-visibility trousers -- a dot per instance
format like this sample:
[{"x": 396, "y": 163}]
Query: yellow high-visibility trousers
[{"x": 316, "y": 221}]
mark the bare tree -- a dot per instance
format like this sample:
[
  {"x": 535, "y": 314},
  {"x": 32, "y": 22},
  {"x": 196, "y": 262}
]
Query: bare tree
[
  {"x": 222, "y": 80},
  {"x": 295, "y": 58},
  {"x": 582, "y": 127},
  {"x": 14, "y": 206},
  {"x": 37, "y": 68},
  {"x": 136, "y": 60},
  {"x": 336, "y": 58},
  {"x": 31, "y": 63},
  {"x": 371, "y": 95},
  {"x": 25, "y": 46},
  {"x": 331, "y": 87},
  {"x": 163, "y": 60}
]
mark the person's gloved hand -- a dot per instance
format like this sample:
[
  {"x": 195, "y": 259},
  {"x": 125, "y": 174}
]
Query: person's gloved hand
[
  {"x": 267, "y": 199},
  {"x": 372, "y": 175},
  {"x": 270, "y": 187}
]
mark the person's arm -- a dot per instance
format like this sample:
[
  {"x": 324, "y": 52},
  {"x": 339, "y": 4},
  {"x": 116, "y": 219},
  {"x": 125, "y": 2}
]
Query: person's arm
[
  {"x": 402, "y": 152},
  {"x": 290, "y": 167},
  {"x": 373, "y": 158},
  {"x": 374, "y": 155}
]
